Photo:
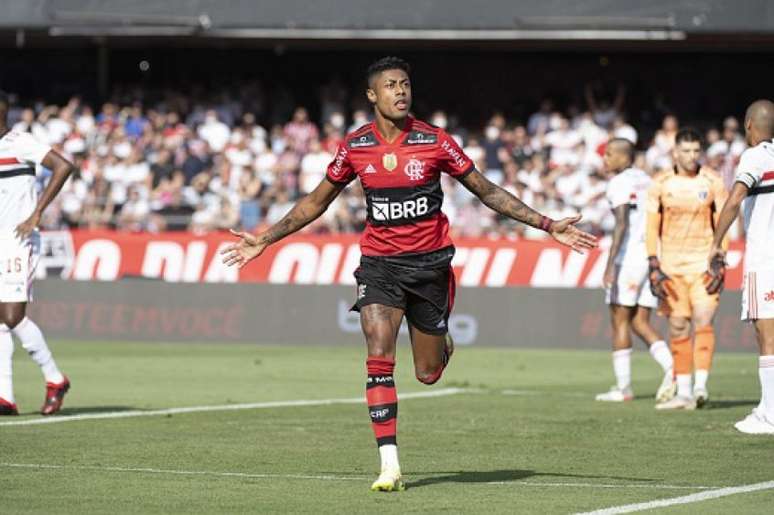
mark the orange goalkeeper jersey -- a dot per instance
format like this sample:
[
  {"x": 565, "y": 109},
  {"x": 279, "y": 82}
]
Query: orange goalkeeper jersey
[{"x": 682, "y": 212}]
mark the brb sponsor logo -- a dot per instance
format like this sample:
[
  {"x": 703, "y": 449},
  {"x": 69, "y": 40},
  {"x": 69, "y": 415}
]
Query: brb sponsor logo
[
  {"x": 768, "y": 296},
  {"x": 463, "y": 327},
  {"x": 386, "y": 211}
]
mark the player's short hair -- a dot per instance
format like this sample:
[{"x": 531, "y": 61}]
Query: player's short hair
[
  {"x": 688, "y": 135},
  {"x": 386, "y": 63},
  {"x": 626, "y": 145}
]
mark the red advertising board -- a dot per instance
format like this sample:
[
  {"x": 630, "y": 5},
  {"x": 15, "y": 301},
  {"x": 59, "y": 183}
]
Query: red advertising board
[{"x": 186, "y": 257}]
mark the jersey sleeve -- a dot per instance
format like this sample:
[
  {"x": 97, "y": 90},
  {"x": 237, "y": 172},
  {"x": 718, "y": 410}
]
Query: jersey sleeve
[
  {"x": 451, "y": 158},
  {"x": 653, "y": 204},
  {"x": 618, "y": 193},
  {"x": 340, "y": 170},
  {"x": 748, "y": 171},
  {"x": 30, "y": 150}
]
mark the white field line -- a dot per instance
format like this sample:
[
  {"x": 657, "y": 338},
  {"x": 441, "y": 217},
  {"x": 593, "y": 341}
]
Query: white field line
[
  {"x": 687, "y": 499},
  {"x": 323, "y": 477},
  {"x": 223, "y": 407}
]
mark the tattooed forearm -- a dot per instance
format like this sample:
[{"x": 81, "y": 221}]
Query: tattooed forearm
[
  {"x": 302, "y": 213},
  {"x": 500, "y": 200}
]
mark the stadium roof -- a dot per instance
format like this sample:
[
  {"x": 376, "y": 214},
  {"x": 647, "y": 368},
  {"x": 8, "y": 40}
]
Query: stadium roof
[{"x": 407, "y": 20}]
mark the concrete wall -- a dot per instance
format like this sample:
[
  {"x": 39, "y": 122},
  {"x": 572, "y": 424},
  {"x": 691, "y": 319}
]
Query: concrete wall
[{"x": 319, "y": 315}]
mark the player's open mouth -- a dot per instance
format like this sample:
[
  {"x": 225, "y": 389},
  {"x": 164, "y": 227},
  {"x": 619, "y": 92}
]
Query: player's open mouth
[{"x": 401, "y": 104}]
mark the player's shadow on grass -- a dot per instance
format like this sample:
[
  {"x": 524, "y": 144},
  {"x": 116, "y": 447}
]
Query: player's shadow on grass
[
  {"x": 731, "y": 403},
  {"x": 503, "y": 476}
]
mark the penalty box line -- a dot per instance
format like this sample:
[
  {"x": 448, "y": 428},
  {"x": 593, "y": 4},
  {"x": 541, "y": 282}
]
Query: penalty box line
[
  {"x": 686, "y": 499},
  {"x": 328, "y": 477},
  {"x": 443, "y": 392}
]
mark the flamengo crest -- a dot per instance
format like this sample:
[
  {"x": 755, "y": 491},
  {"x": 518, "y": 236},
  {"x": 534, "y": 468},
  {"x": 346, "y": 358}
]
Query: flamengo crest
[{"x": 415, "y": 169}]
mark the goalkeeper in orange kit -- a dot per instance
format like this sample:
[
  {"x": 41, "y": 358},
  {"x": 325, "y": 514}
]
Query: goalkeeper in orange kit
[{"x": 683, "y": 206}]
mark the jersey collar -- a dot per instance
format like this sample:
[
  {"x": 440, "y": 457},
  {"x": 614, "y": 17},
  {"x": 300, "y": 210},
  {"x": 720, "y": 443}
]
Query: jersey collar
[{"x": 401, "y": 136}]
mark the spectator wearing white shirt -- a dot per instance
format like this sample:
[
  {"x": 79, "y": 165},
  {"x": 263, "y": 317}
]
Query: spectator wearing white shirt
[{"x": 214, "y": 132}]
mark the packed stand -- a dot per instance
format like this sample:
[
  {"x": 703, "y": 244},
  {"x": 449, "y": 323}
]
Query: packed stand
[{"x": 177, "y": 166}]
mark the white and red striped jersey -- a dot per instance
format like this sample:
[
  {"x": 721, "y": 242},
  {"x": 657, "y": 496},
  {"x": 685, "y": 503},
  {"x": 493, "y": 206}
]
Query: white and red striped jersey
[
  {"x": 20, "y": 154},
  {"x": 756, "y": 171},
  {"x": 631, "y": 187}
]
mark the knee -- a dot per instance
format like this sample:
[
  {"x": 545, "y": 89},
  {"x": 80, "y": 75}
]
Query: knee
[{"x": 679, "y": 328}]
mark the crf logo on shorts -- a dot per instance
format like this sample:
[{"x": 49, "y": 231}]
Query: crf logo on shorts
[{"x": 383, "y": 211}]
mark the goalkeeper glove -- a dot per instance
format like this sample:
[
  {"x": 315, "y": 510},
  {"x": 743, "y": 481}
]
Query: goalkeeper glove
[
  {"x": 660, "y": 284},
  {"x": 715, "y": 277}
]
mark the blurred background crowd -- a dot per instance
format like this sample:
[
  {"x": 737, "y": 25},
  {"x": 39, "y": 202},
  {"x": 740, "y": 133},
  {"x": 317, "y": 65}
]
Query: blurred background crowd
[{"x": 211, "y": 162}]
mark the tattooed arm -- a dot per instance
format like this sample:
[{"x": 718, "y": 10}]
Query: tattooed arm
[
  {"x": 306, "y": 210},
  {"x": 499, "y": 200}
]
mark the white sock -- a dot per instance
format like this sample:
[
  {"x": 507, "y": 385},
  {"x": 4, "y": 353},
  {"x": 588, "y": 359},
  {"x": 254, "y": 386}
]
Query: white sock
[
  {"x": 389, "y": 456},
  {"x": 684, "y": 385},
  {"x": 6, "y": 364},
  {"x": 700, "y": 379},
  {"x": 766, "y": 375},
  {"x": 661, "y": 353},
  {"x": 35, "y": 344},
  {"x": 622, "y": 368}
]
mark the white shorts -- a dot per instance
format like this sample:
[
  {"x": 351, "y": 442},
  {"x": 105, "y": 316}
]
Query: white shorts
[
  {"x": 18, "y": 260},
  {"x": 631, "y": 287},
  {"x": 758, "y": 295}
]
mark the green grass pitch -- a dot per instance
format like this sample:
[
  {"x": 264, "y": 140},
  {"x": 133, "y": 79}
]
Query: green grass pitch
[{"x": 525, "y": 436}]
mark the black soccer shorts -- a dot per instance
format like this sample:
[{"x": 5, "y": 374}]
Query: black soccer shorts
[{"x": 421, "y": 285}]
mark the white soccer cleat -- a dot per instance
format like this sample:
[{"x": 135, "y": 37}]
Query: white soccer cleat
[
  {"x": 686, "y": 403},
  {"x": 389, "y": 481},
  {"x": 755, "y": 424},
  {"x": 702, "y": 397},
  {"x": 668, "y": 389},
  {"x": 616, "y": 395}
]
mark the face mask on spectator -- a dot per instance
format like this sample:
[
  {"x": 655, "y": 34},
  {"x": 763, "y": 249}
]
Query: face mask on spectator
[
  {"x": 337, "y": 120},
  {"x": 439, "y": 121},
  {"x": 492, "y": 133}
]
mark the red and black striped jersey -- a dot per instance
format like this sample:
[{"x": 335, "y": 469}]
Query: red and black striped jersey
[{"x": 401, "y": 181}]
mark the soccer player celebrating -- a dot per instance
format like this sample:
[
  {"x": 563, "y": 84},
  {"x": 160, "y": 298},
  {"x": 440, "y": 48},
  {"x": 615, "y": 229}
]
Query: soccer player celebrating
[
  {"x": 683, "y": 205},
  {"x": 20, "y": 214},
  {"x": 406, "y": 250},
  {"x": 755, "y": 187},
  {"x": 626, "y": 275}
]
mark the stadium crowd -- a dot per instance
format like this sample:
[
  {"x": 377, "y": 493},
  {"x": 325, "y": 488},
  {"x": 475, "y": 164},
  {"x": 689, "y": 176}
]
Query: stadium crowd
[{"x": 204, "y": 166}]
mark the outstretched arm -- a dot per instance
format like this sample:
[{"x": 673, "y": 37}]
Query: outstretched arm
[
  {"x": 306, "y": 210},
  {"x": 61, "y": 168},
  {"x": 499, "y": 200}
]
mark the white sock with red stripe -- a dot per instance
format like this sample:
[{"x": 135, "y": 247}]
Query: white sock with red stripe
[
  {"x": 6, "y": 368},
  {"x": 661, "y": 353},
  {"x": 622, "y": 368},
  {"x": 34, "y": 343},
  {"x": 766, "y": 375}
]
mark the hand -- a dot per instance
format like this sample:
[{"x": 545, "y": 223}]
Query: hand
[
  {"x": 660, "y": 284},
  {"x": 714, "y": 278},
  {"x": 609, "y": 277},
  {"x": 565, "y": 232},
  {"x": 26, "y": 227},
  {"x": 245, "y": 250}
]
